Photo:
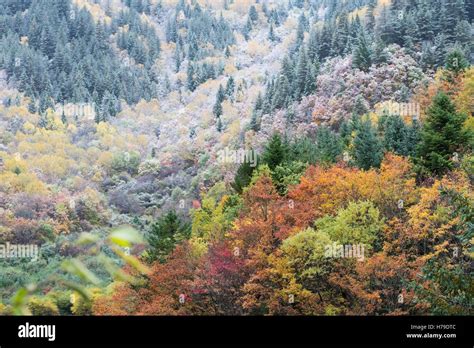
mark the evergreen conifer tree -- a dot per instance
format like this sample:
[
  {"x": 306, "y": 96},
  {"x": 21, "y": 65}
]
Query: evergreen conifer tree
[{"x": 443, "y": 134}]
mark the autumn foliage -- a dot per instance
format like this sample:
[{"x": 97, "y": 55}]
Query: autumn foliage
[{"x": 272, "y": 260}]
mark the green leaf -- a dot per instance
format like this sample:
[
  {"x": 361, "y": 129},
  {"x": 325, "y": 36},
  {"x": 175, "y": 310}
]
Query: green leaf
[
  {"x": 116, "y": 272},
  {"x": 132, "y": 261},
  {"x": 19, "y": 302},
  {"x": 125, "y": 236},
  {"x": 81, "y": 290},
  {"x": 76, "y": 267},
  {"x": 87, "y": 238}
]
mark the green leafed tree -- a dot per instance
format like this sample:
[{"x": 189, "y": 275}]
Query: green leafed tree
[
  {"x": 366, "y": 146},
  {"x": 442, "y": 137},
  {"x": 329, "y": 145},
  {"x": 275, "y": 152},
  {"x": 163, "y": 236},
  {"x": 362, "y": 56}
]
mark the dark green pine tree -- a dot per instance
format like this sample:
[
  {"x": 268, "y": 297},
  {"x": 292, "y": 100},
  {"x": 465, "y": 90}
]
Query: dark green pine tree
[
  {"x": 247, "y": 29},
  {"x": 243, "y": 176},
  {"x": 254, "y": 122},
  {"x": 217, "y": 109},
  {"x": 413, "y": 137},
  {"x": 324, "y": 42},
  {"x": 442, "y": 136},
  {"x": 219, "y": 125},
  {"x": 47, "y": 42},
  {"x": 259, "y": 103},
  {"x": 43, "y": 121},
  {"x": 341, "y": 37},
  {"x": 379, "y": 55},
  {"x": 302, "y": 28},
  {"x": 456, "y": 63},
  {"x": 367, "y": 149},
  {"x": 310, "y": 84},
  {"x": 230, "y": 87},
  {"x": 369, "y": 17},
  {"x": 191, "y": 83},
  {"x": 275, "y": 152},
  {"x": 302, "y": 73},
  {"x": 360, "y": 106},
  {"x": 454, "y": 12},
  {"x": 328, "y": 145},
  {"x": 411, "y": 31},
  {"x": 271, "y": 33},
  {"x": 362, "y": 56},
  {"x": 424, "y": 17},
  {"x": 171, "y": 30},
  {"x": 355, "y": 28},
  {"x": 345, "y": 131},
  {"x": 313, "y": 45},
  {"x": 253, "y": 14},
  {"x": 227, "y": 52},
  {"x": 220, "y": 97},
  {"x": 178, "y": 57},
  {"x": 282, "y": 93},
  {"x": 164, "y": 235},
  {"x": 63, "y": 118},
  {"x": 395, "y": 135},
  {"x": 256, "y": 113}
]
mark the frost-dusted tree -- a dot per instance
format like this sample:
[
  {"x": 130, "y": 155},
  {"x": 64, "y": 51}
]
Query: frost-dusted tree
[
  {"x": 247, "y": 29},
  {"x": 271, "y": 33},
  {"x": 259, "y": 103},
  {"x": 311, "y": 78},
  {"x": 220, "y": 97},
  {"x": 219, "y": 125},
  {"x": 254, "y": 121},
  {"x": 253, "y": 14},
  {"x": 443, "y": 135},
  {"x": 302, "y": 72},
  {"x": 341, "y": 36},
  {"x": 282, "y": 93},
  {"x": 369, "y": 16},
  {"x": 256, "y": 113},
  {"x": 303, "y": 27},
  {"x": 360, "y": 107},
  {"x": 191, "y": 83},
  {"x": 163, "y": 236},
  {"x": 178, "y": 57},
  {"x": 367, "y": 148},
  {"x": 217, "y": 109},
  {"x": 63, "y": 118},
  {"x": 230, "y": 87},
  {"x": 313, "y": 45}
]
